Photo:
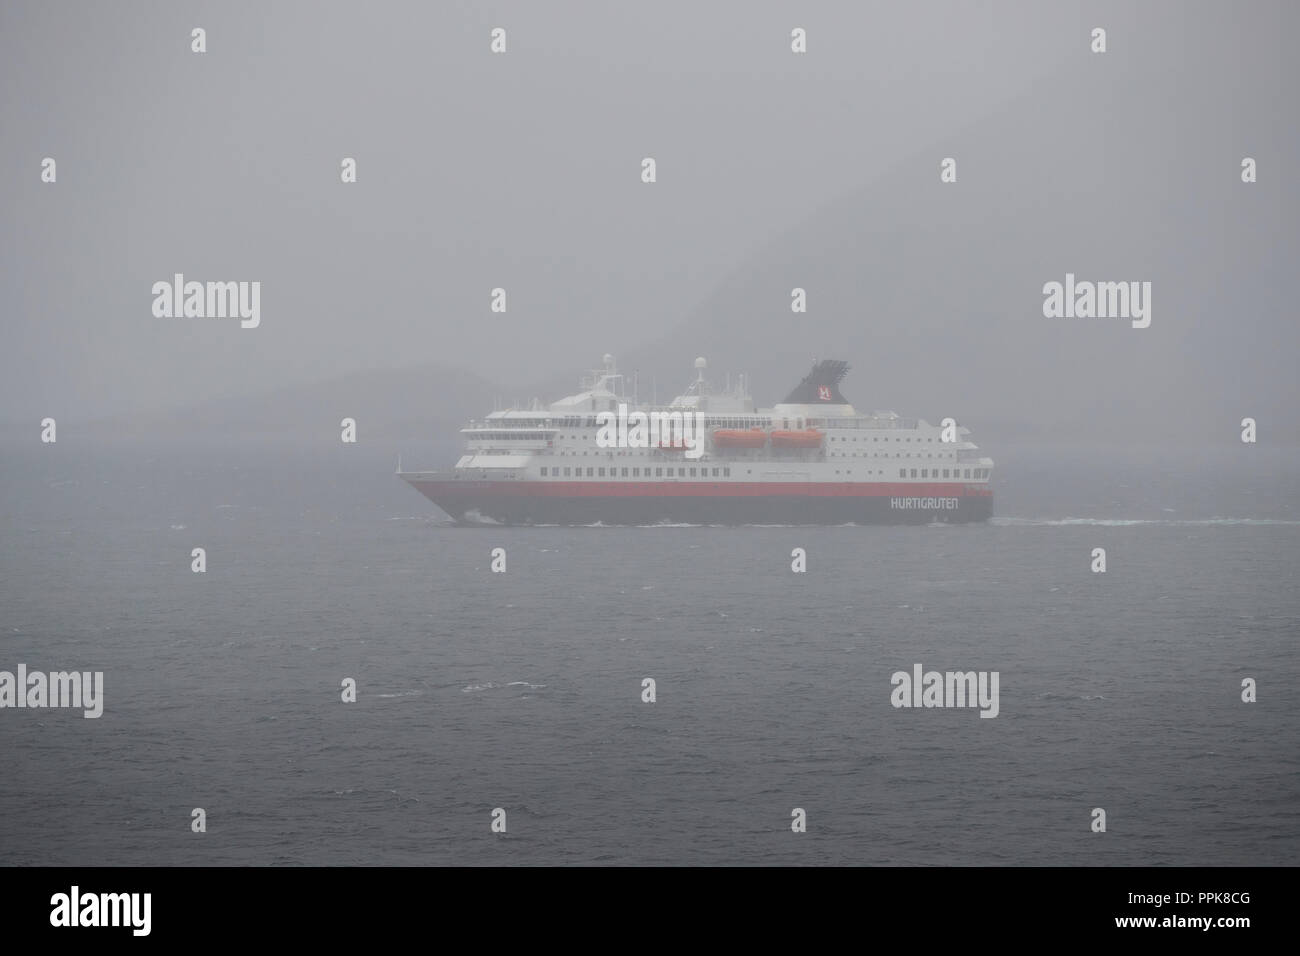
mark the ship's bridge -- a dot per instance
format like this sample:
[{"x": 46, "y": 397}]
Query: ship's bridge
[
  {"x": 700, "y": 395},
  {"x": 602, "y": 390}
]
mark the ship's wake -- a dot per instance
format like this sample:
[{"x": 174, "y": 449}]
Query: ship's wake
[
  {"x": 474, "y": 516},
  {"x": 1127, "y": 522}
]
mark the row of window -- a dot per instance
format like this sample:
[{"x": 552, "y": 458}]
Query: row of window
[
  {"x": 506, "y": 436},
  {"x": 589, "y": 421},
  {"x": 554, "y": 472},
  {"x": 955, "y": 472},
  {"x": 576, "y": 422},
  {"x": 526, "y": 436},
  {"x": 877, "y": 454},
  {"x": 645, "y": 452},
  {"x": 710, "y": 422},
  {"x": 713, "y": 421},
  {"x": 833, "y": 438}
]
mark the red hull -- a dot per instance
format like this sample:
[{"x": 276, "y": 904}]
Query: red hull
[{"x": 705, "y": 502}]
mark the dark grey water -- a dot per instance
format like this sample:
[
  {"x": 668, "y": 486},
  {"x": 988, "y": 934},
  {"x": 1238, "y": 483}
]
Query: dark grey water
[{"x": 522, "y": 690}]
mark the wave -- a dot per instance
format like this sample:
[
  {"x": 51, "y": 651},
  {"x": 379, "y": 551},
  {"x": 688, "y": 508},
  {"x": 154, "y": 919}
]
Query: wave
[
  {"x": 1127, "y": 522},
  {"x": 492, "y": 685}
]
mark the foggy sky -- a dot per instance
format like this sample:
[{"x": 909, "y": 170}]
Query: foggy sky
[{"x": 775, "y": 170}]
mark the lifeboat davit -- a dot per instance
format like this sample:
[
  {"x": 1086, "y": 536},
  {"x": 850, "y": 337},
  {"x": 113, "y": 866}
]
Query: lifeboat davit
[
  {"x": 805, "y": 438},
  {"x": 739, "y": 437}
]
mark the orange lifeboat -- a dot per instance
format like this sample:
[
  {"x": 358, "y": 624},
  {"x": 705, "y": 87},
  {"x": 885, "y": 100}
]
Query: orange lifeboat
[
  {"x": 807, "y": 438},
  {"x": 739, "y": 437}
]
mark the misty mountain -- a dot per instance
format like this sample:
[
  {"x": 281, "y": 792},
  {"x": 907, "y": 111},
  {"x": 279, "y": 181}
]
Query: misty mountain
[{"x": 934, "y": 291}]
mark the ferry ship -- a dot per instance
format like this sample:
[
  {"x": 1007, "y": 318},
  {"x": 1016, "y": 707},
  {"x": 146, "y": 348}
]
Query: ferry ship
[{"x": 812, "y": 459}]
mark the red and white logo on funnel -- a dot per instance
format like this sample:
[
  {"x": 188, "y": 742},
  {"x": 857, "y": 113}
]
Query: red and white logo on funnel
[{"x": 824, "y": 393}]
